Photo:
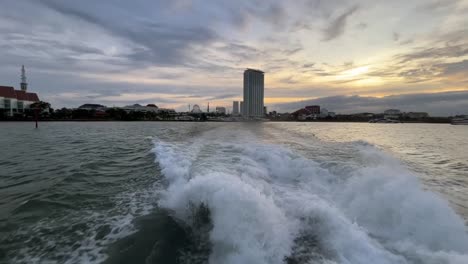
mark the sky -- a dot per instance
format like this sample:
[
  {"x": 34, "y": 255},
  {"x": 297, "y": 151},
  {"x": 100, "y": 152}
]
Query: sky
[{"x": 349, "y": 56}]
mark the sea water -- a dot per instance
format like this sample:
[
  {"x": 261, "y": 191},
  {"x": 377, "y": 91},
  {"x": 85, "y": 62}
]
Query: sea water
[{"x": 154, "y": 192}]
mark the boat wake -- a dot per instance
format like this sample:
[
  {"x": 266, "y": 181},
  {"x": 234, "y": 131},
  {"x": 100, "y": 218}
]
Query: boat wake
[{"x": 272, "y": 203}]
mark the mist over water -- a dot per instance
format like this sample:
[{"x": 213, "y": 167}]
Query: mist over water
[{"x": 233, "y": 193}]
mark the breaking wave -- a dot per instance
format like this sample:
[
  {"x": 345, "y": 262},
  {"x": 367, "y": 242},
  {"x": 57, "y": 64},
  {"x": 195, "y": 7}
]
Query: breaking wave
[{"x": 275, "y": 203}]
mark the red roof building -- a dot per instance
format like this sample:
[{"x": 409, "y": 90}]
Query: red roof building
[
  {"x": 15, "y": 101},
  {"x": 7, "y": 92}
]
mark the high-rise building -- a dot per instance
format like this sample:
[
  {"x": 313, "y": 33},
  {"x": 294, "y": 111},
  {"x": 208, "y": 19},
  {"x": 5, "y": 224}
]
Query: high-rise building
[
  {"x": 241, "y": 107},
  {"x": 235, "y": 108},
  {"x": 253, "y": 93}
]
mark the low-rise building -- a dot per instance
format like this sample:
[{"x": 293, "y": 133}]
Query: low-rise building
[
  {"x": 392, "y": 114},
  {"x": 92, "y": 107},
  {"x": 15, "y": 101},
  {"x": 221, "y": 110},
  {"x": 307, "y": 113},
  {"x": 313, "y": 109},
  {"x": 416, "y": 115}
]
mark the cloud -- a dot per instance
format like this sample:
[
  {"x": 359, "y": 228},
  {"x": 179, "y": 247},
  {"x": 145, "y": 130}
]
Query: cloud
[
  {"x": 337, "y": 26},
  {"x": 362, "y": 26},
  {"x": 438, "y": 5},
  {"x": 224, "y": 96},
  {"x": 455, "y": 68},
  {"x": 153, "y": 42},
  {"x": 435, "y": 53},
  {"x": 189, "y": 50},
  {"x": 437, "y": 104}
]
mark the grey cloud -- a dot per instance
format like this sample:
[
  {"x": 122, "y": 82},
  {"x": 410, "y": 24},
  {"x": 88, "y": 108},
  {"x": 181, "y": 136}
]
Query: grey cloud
[
  {"x": 406, "y": 42},
  {"x": 337, "y": 27},
  {"x": 293, "y": 51},
  {"x": 435, "y": 53},
  {"x": 225, "y": 96},
  {"x": 155, "y": 43},
  {"x": 308, "y": 65},
  {"x": 362, "y": 25},
  {"x": 437, "y": 104},
  {"x": 454, "y": 68},
  {"x": 396, "y": 36},
  {"x": 241, "y": 13},
  {"x": 437, "y": 5}
]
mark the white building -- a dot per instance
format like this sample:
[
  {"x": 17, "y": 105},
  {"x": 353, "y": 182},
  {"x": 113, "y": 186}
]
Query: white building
[
  {"x": 323, "y": 112},
  {"x": 16, "y": 101},
  {"x": 253, "y": 93},
  {"x": 235, "y": 108}
]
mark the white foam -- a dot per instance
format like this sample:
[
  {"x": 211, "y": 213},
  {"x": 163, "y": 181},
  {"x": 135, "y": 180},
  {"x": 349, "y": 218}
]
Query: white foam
[{"x": 263, "y": 196}]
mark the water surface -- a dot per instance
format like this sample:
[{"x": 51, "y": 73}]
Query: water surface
[{"x": 154, "y": 192}]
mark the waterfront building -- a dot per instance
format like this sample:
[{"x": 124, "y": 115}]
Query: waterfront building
[
  {"x": 241, "y": 108},
  {"x": 310, "y": 112},
  {"x": 16, "y": 101},
  {"x": 392, "y": 114},
  {"x": 313, "y": 109},
  {"x": 416, "y": 115},
  {"x": 253, "y": 93},
  {"x": 235, "y": 108},
  {"x": 196, "y": 109},
  {"x": 92, "y": 107},
  {"x": 221, "y": 110}
]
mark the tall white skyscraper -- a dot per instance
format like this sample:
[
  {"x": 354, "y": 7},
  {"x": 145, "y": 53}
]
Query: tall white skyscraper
[
  {"x": 253, "y": 93},
  {"x": 235, "y": 108}
]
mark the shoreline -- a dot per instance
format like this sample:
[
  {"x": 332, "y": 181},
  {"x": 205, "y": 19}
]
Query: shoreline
[{"x": 213, "y": 121}]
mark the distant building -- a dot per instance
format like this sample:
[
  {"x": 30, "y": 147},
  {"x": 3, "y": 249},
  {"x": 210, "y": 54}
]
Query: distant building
[
  {"x": 323, "y": 113},
  {"x": 221, "y": 110},
  {"x": 310, "y": 112},
  {"x": 253, "y": 93},
  {"x": 196, "y": 109},
  {"x": 235, "y": 108},
  {"x": 16, "y": 101},
  {"x": 152, "y": 105},
  {"x": 392, "y": 114},
  {"x": 416, "y": 115},
  {"x": 92, "y": 107},
  {"x": 313, "y": 109},
  {"x": 241, "y": 108},
  {"x": 140, "y": 108},
  {"x": 265, "y": 110}
]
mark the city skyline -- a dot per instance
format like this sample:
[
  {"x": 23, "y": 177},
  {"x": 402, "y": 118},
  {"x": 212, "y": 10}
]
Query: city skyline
[{"x": 357, "y": 55}]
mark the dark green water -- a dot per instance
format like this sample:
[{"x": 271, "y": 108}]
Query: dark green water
[{"x": 158, "y": 192}]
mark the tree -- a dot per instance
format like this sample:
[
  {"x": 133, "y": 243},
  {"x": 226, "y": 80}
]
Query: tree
[{"x": 40, "y": 107}]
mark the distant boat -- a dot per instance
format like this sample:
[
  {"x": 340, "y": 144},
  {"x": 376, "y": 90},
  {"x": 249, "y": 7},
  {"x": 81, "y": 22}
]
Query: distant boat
[{"x": 463, "y": 120}]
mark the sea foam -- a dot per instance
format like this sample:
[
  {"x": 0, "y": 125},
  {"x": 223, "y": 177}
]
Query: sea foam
[{"x": 270, "y": 203}]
